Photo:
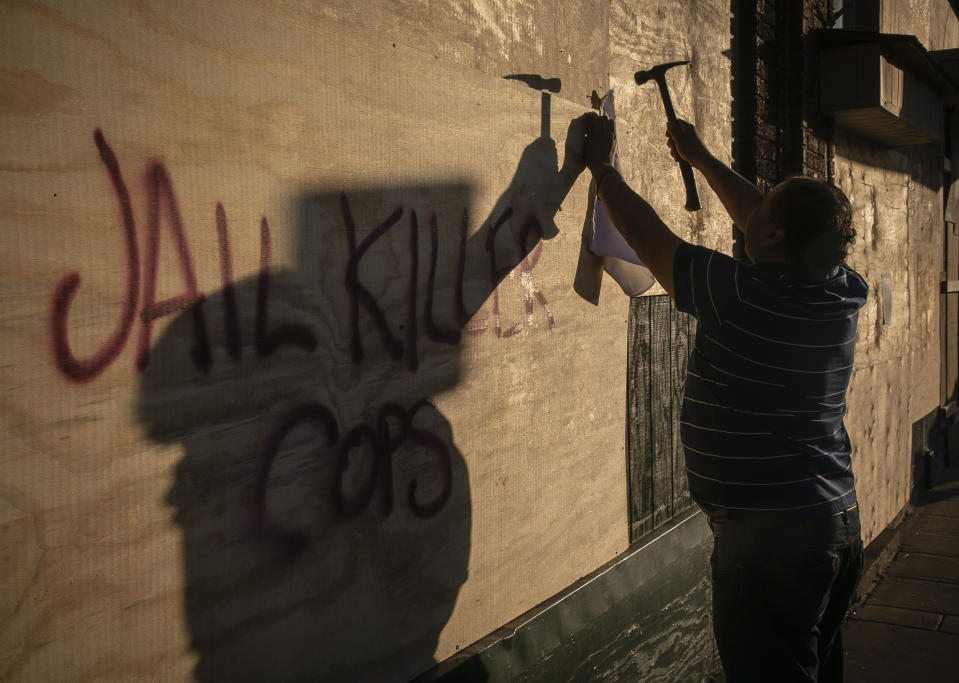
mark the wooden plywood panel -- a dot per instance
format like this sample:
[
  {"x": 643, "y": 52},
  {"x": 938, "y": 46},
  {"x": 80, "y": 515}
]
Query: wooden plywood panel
[
  {"x": 660, "y": 391},
  {"x": 639, "y": 432},
  {"x": 660, "y": 342},
  {"x": 684, "y": 332},
  {"x": 660, "y": 588},
  {"x": 292, "y": 384}
]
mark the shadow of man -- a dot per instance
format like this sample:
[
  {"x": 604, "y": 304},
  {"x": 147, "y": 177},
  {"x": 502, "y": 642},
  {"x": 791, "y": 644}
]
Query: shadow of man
[{"x": 324, "y": 506}]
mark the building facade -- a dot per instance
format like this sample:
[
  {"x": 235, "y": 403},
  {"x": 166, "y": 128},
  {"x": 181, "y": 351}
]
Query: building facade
[{"x": 308, "y": 372}]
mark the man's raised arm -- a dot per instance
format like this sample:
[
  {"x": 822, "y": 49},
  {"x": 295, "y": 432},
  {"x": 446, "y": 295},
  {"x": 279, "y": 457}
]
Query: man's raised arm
[{"x": 739, "y": 196}]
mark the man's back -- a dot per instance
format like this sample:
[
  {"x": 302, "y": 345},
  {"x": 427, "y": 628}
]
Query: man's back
[{"x": 762, "y": 420}]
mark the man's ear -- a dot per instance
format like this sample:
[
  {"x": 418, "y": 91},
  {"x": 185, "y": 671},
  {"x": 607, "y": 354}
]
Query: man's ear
[{"x": 773, "y": 235}]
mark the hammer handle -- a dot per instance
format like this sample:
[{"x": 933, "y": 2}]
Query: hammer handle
[
  {"x": 692, "y": 195},
  {"x": 667, "y": 101}
]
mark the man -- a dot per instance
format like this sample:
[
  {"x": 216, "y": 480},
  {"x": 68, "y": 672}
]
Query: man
[{"x": 767, "y": 455}]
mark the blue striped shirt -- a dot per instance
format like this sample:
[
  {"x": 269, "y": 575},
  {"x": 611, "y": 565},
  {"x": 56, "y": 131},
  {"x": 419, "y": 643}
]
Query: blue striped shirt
[{"x": 762, "y": 419}]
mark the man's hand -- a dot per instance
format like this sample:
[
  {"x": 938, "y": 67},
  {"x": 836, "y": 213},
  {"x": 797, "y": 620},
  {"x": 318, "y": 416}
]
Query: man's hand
[
  {"x": 684, "y": 142},
  {"x": 739, "y": 196},
  {"x": 591, "y": 141},
  {"x": 599, "y": 143}
]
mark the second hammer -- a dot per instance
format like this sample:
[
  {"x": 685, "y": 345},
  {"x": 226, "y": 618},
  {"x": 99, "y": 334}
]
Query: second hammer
[{"x": 658, "y": 73}]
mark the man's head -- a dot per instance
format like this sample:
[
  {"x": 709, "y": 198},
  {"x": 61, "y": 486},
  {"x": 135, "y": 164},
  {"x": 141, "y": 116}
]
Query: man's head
[{"x": 801, "y": 221}]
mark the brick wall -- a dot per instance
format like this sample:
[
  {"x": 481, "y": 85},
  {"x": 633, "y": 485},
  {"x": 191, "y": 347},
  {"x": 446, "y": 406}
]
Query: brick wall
[
  {"x": 777, "y": 130},
  {"x": 814, "y": 131}
]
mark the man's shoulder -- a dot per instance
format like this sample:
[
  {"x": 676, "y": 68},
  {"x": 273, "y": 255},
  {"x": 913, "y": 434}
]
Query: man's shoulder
[
  {"x": 852, "y": 278},
  {"x": 845, "y": 288},
  {"x": 697, "y": 255}
]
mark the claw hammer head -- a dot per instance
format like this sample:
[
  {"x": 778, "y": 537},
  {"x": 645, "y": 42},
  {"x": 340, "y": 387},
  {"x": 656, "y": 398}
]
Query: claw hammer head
[{"x": 657, "y": 73}]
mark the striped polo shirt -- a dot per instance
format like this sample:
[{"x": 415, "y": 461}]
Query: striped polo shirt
[{"x": 762, "y": 419}]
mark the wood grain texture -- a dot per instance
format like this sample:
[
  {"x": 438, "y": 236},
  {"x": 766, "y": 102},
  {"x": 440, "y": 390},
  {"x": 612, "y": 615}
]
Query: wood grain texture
[
  {"x": 659, "y": 345},
  {"x": 684, "y": 332},
  {"x": 644, "y": 616},
  {"x": 663, "y": 631},
  {"x": 245, "y": 243},
  {"x": 660, "y": 392},
  {"x": 639, "y": 426},
  {"x": 230, "y": 496}
]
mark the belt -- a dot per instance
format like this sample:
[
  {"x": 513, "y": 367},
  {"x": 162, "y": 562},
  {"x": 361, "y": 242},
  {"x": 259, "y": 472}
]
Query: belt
[{"x": 835, "y": 525}]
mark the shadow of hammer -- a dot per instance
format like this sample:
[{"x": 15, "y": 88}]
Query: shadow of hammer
[
  {"x": 537, "y": 82},
  {"x": 658, "y": 74}
]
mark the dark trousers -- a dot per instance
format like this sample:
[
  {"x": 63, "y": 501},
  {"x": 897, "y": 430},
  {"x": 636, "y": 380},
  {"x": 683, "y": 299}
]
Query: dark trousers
[{"x": 780, "y": 593}]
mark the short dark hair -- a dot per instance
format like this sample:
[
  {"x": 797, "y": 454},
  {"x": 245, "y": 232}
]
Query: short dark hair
[{"x": 817, "y": 218}]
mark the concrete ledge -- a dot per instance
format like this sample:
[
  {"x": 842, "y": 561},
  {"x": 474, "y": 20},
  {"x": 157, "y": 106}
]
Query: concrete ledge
[{"x": 645, "y": 614}]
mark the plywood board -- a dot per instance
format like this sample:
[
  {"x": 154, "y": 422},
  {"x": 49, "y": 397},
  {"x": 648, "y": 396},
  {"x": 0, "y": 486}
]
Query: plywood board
[{"x": 295, "y": 381}]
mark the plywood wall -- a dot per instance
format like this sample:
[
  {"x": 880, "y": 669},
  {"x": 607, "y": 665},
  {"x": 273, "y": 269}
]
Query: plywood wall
[
  {"x": 304, "y": 371},
  {"x": 270, "y": 408}
]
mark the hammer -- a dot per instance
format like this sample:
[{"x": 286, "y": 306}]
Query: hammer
[{"x": 658, "y": 73}]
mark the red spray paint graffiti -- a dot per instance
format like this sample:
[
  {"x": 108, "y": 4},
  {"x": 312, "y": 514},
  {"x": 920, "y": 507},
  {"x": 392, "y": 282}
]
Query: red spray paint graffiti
[
  {"x": 375, "y": 440},
  {"x": 163, "y": 208},
  {"x": 160, "y": 194},
  {"x": 84, "y": 370}
]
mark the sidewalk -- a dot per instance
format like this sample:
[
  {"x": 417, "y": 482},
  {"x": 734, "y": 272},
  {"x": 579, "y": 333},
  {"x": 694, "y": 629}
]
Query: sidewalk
[{"x": 907, "y": 629}]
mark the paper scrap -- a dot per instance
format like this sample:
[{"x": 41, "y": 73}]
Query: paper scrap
[{"x": 619, "y": 260}]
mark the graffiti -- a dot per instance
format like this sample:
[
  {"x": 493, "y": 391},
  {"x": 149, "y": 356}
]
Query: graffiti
[
  {"x": 231, "y": 319},
  {"x": 531, "y": 293},
  {"x": 287, "y": 334},
  {"x": 384, "y": 445},
  {"x": 362, "y": 456},
  {"x": 377, "y": 442},
  {"x": 163, "y": 210},
  {"x": 84, "y": 370},
  {"x": 530, "y": 227},
  {"x": 161, "y": 201},
  {"x": 160, "y": 194},
  {"x": 434, "y": 332},
  {"x": 359, "y": 294}
]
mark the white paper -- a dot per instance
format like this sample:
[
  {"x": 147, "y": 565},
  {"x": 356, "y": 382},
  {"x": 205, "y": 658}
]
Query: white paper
[{"x": 619, "y": 260}]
